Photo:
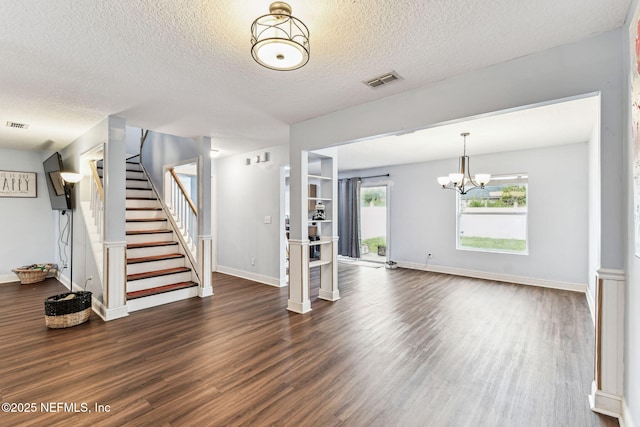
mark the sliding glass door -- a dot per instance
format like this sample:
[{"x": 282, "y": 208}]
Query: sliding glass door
[{"x": 373, "y": 223}]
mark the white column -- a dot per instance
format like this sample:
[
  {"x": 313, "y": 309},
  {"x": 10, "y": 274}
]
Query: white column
[
  {"x": 299, "y": 301},
  {"x": 115, "y": 280},
  {"x": 329, "y": 272},
  {"x": 204, "y": 266},
  {"x": 607, "y": 388}
]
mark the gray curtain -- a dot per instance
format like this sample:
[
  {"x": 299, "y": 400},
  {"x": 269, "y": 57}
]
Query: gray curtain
[{"x": 349, "y": 217}]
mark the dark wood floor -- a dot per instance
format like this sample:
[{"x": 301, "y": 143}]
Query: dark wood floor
[{"x": 401, "y": 348}]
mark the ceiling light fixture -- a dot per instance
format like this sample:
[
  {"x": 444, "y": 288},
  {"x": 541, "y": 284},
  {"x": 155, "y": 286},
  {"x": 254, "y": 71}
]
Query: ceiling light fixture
[
  {"x": 458, "y": 181},
  {"x": 278, "y": 40}
]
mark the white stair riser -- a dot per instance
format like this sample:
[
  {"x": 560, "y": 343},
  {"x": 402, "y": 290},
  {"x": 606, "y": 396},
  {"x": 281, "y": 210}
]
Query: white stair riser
[
  {"x": 159, "y": 299},
  {"x": 148, "y": 238},
  {"x": 131, "y": 203},
  {"x": 152, "y": 251},
  {"x": 144, "y": 267},
  {"x": 152, "y": 213},
  {"x": 133, "y": 167},
  {"x": 154, "y": 282},
  {"x": 147, "y": 225},
  {"x": 135, "y": 174},
  {"x": 131, "y": 183},
  {"x": 149, "y": 194}
]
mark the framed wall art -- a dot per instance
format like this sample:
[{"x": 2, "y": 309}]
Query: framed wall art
[{"x": 17, "y": 184}]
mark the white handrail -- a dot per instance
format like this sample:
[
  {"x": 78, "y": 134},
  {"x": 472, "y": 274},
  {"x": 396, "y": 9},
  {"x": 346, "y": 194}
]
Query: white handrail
[
  {"x": 97, "y": 200},
  {"x": 184, "y": 212}
]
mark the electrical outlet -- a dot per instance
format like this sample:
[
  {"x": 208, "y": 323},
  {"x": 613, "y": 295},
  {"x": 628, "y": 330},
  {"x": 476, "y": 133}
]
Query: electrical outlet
[
  {"x": 429, "y": 255},
  {"x": 253, "y": 261}
]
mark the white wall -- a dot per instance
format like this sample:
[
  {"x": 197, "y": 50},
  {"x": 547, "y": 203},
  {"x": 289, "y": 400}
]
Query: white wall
[
  {"x": 423, "y": 216},
  {"x": 27, "y": 225},
  {"x": 632, "y": 263},
  {"x": 245, "y": 196}
]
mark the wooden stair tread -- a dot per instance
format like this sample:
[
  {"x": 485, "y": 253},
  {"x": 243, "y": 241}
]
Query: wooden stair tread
[
  {"x": 157, "y": 273},
  {"x": 154, "y": 258},
  {"x": 143, "y": 209},
  {"x": 150, "y": 244},
  {"x": 142, "y": 198},
  {"x": 134, "y": 232},
  {"x": 160, "y": 290},
  {"x": 145, "y": 219}
]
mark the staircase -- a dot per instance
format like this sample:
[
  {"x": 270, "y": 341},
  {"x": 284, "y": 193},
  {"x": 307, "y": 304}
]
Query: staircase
[{"x": 157, "y": 270}]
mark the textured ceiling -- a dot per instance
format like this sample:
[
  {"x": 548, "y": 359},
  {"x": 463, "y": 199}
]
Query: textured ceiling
[{"x": 184, "y": 67}]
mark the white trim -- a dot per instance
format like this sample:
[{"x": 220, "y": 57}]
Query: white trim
[
  {"x": 9, "y": 278},
  {"x": 605, "y": 403},
  {"x": 205, "y": 292},
  {"x": 296, "y": 307},
  {"x": 625, "y": 420},
  {"x": 531, "y": 281},
  {"x": 160, "y": 299},
  {"x": 106, "y": 314},
  {"x": 271, "y": 281},
  {"x": 329, "y": 295},
  {"x": 592, "y": 306},
  {"x": 611, "y": 274}
]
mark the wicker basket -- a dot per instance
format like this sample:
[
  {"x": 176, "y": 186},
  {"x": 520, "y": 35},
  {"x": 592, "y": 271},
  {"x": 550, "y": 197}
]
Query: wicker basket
[
  {"x": 32, "y": 274},
  {"x": 60, "y": 312}
]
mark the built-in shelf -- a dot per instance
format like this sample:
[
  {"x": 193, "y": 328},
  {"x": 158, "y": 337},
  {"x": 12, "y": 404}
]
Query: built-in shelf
[
  {"x": 327, "y": 178},
  {"x": 319, "y": 220},
  {"x": 319, "y": 242},
  {"x": 318, "y": 263},
  {"x": 320, "y": 199}
]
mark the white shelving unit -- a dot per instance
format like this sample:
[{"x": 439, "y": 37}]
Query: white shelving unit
[{"x": 305, "y": 253}]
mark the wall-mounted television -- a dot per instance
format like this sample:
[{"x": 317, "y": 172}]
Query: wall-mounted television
[{"x": 59, "y": 193}]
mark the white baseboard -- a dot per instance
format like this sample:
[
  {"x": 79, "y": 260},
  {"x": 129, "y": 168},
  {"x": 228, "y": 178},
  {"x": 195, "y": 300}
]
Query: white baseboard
[
  {"x": 605, "y": 403},
  {"x": 300, "y": 308},
  {"x": 9, "y": 278},
  {"x": 108, "y": 314},
  {"x": 271, "y": 281},
  {"x": 575, "y": 287}
]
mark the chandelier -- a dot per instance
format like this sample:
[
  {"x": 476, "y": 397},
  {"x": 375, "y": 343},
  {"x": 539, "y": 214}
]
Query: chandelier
[
  {"x": 278, "y": 40},
  {"x": 461, "y": 181}
]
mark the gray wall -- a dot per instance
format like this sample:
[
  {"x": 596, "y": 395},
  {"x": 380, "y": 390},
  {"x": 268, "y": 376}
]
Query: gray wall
[
  {"x": 27, "y": 225},
  {"x": 108, "y": 135},
  {"x": 245, "y": 195},
  {"x": 423, "y": 216}
]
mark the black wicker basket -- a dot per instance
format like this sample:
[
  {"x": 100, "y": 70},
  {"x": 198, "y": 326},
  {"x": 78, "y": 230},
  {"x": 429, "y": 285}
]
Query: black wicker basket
[{"x": 62, "y": 311}]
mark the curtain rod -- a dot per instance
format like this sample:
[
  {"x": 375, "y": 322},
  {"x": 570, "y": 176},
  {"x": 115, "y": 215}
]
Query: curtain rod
[{"x": 365, "y": 177}]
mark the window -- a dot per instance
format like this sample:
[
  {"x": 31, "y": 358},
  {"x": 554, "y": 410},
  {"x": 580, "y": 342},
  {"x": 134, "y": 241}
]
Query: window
[{"x": 494, "y": 219}]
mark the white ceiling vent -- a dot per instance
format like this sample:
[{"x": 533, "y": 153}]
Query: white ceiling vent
[
  {"x": 383, "y": 79},
  {"x": 17, "y": 125}
]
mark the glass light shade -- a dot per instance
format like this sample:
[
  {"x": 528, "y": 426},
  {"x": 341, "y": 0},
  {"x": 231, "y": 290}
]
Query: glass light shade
[
  {"x": 71, "y": 177},
  {"x": 483, "y": 178},
  {"x": 443, "y": 180},
  {"x": 456, "y": 178},
  {"x": 278, "y": 40}
]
